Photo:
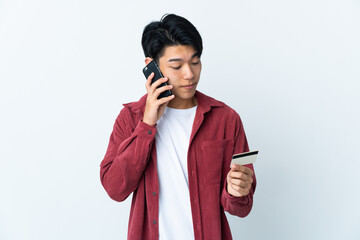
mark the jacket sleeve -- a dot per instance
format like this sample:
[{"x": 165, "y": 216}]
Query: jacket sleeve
[
  {"x": 239, "y": 206},
  {"x": 127, "y": 155}
]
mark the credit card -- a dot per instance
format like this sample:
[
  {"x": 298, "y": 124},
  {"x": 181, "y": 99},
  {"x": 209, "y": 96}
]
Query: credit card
[{"x": 244, "y": 158}]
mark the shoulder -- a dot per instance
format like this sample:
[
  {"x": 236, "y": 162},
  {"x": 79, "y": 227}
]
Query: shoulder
[
  {"x": 137, "y": 106},
  {"x": 132, "y": 111},
  {"x": 211, "y": 104}
]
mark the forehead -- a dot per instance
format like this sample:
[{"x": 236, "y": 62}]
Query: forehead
[{"x": 183, "y": 52}]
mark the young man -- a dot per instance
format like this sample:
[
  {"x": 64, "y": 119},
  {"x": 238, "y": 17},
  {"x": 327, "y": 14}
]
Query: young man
[{"x": 174, "y": 153}]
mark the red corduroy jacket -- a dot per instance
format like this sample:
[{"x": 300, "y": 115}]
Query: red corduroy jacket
[{"x": 129, "y": 166}]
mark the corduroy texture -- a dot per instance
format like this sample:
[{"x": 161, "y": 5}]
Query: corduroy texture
[{"x": 129, "y": 166}]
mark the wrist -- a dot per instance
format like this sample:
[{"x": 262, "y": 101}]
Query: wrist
[{"x": 150, "y": 123}]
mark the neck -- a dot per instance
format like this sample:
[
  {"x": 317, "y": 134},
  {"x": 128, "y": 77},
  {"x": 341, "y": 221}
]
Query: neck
[{"x": 182, "y": 103}]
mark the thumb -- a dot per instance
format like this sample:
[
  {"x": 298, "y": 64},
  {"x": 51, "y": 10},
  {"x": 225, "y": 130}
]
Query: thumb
[{"x": 235, "y": 167}]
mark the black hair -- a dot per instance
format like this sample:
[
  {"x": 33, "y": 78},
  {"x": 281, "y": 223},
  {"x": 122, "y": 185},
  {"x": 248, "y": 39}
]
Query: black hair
[{"x": 171, "y": 30}]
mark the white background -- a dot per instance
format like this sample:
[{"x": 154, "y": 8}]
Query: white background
[{"x": 290, "y": 68}]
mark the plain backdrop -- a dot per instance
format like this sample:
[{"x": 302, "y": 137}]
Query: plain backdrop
[{"x": 291, "y": 69}]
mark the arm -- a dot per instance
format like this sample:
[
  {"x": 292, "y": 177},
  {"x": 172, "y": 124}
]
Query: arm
[
  {"x": 130, "y": 146},
  {"x": 240, "y": 201},
  {"x": 126, "y": 157}
]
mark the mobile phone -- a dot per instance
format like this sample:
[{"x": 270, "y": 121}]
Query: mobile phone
[
  {"x": 244, "y": 158},
  {"x": 153, "y": 67}
]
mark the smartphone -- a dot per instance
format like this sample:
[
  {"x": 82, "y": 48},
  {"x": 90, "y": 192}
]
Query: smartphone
[{"x": 153, "y": 67}]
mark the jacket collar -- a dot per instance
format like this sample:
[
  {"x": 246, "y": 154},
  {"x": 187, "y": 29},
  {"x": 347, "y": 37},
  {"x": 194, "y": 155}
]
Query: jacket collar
[
  {"x": 205, "y": 103},
  {"x": 137, "y": 107}
]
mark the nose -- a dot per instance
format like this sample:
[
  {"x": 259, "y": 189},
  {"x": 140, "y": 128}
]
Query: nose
[{"x": 188, "y": 72}]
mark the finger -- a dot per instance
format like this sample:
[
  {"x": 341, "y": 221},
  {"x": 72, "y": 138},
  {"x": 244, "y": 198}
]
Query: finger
[
  {"x": 237, "y": 188},
  {"x": 240, "y": 175},
  {"x": 158, "y": 82},
  {"x": 242, "y": 191},
  {"x": 243, "y": 177},
  {"x": 241, "y": 183},
  {"x": 240, "y": 168},
  {"x": 237, "y": 182},
  {"x": 148, "y": 81},
  {"x": 235, "y": 167},
  {"x": 162, "y": 89},
  {"x": 247, "y": 171},
  {"x": 166, "y": 100}
]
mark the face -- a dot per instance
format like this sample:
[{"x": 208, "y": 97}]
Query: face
[{"x": 182, "y": 67}]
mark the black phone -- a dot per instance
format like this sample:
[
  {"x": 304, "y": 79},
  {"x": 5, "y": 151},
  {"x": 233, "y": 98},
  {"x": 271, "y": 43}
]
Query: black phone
[{"x": 153, "y": 67}]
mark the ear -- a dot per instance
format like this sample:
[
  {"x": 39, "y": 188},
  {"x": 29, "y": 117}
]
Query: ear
[{"x": 148, "y": 60}]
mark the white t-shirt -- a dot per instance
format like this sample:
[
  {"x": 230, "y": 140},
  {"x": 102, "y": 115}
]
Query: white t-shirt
[{"x": 172, "y": 142}]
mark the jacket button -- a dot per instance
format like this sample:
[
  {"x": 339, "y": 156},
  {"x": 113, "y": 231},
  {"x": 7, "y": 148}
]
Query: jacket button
[
  {"x": 154, "y": 193},
  {"x": 154, "y": 222},
  {"x": 149, "y": 132}
]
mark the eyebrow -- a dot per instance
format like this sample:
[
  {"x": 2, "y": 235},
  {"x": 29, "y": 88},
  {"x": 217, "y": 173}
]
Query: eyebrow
[{"x": 180, "y": 59}]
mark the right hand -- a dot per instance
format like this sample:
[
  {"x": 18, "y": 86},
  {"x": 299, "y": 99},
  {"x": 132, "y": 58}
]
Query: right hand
[
  {"x": 155, "y": 108},
  {"x": 239, "y": 180}
]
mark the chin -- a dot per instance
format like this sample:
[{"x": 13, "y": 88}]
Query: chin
[{"x": 187, "y": 95}]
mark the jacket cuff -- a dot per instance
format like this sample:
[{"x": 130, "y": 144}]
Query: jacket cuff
[
  {"x": 244, "y": 200},
  {"x": 143, "y": 129}
]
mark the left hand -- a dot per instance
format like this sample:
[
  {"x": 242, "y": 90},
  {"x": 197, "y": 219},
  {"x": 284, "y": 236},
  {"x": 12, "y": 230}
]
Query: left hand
[{"x": 239, "y": 180}]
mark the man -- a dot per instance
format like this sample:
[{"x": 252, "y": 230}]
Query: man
[{"x": 174, "y": 153}]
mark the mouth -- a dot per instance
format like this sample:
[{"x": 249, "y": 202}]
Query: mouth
[{"x": 190, "y": 86}]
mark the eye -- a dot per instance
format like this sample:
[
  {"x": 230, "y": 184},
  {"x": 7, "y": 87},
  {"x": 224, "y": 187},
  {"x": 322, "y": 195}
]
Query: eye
[
  {"x": 176, "y": 68},
  {"x": 195, "y": 63}
]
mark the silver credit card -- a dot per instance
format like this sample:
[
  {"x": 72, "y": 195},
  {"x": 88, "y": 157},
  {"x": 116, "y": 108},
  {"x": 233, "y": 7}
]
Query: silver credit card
[{"x": 244, "y": 158}]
